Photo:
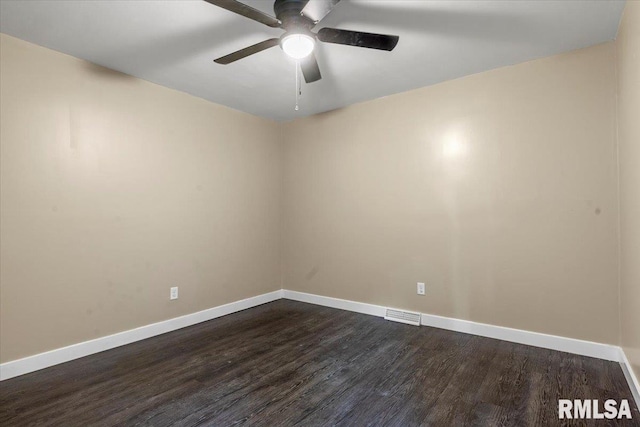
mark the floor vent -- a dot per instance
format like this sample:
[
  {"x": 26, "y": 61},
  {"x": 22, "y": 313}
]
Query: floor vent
[{"x": 408, "y": 317}]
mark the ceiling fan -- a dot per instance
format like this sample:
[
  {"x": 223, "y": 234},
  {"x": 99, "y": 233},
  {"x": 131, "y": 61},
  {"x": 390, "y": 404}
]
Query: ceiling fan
[{"x": 298, "y": 18}]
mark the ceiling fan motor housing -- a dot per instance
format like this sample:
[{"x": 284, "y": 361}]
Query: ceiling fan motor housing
[{"x": 289, "y": 12}]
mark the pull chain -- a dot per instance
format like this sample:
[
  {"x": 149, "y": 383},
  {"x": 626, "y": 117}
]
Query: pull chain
[{"x": 298, "y": 89}]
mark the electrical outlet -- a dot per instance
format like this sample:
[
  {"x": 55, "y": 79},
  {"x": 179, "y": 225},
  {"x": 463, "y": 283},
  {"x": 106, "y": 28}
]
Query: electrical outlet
[
  {"x": 420, "y": 288},
  {"x": 174, "y": 293}
]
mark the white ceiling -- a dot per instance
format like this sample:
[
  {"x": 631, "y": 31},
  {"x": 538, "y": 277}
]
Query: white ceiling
[{"x": 173, "y": 43}]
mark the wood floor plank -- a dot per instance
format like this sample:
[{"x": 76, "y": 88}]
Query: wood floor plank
[{"x": 290, "y": 363}]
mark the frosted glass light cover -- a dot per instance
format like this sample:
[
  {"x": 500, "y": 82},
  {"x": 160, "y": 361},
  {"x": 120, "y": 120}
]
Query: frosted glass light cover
[{"x": 298, "y": 46}]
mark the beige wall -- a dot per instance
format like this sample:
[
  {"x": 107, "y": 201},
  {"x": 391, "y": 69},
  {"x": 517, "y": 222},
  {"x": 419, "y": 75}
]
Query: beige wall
[
  {"x": 113, "y": 190},
  {"x": 498, "y": 190},
  {"x": 628, "y": 55}
]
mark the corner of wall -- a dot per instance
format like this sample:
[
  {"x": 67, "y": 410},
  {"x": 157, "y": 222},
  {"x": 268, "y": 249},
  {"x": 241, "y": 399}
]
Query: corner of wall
[{"x": 617, "y": 142}]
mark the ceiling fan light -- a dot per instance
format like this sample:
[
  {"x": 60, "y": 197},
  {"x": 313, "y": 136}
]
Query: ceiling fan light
[{"x": 298, "y": 46}]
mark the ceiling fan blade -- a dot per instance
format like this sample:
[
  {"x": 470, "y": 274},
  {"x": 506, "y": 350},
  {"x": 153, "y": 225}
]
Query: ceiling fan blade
[
  {"x": 318, "y": 9},
  {"x": 310, "y": 69},
  {"x": 243, "y": 53},
  {"x": 357, "y": 38},
  {"x": 246, "y": 11}
]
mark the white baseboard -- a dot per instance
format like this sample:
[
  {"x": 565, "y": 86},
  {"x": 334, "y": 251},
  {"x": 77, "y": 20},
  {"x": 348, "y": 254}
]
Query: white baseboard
[
  {"x": 536, "y": 339},
  {"x": 552, "y": 342},
  {"x": 343, "y": 304},
  {"x": 634, "y": 385},
  {"x": 75, "y": 351}
]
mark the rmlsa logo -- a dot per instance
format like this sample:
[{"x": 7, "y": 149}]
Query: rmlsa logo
[{"x": 590, "y": 409}]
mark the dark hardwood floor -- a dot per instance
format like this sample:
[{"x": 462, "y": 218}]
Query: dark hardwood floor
[{"x": 289, "y": 363}]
